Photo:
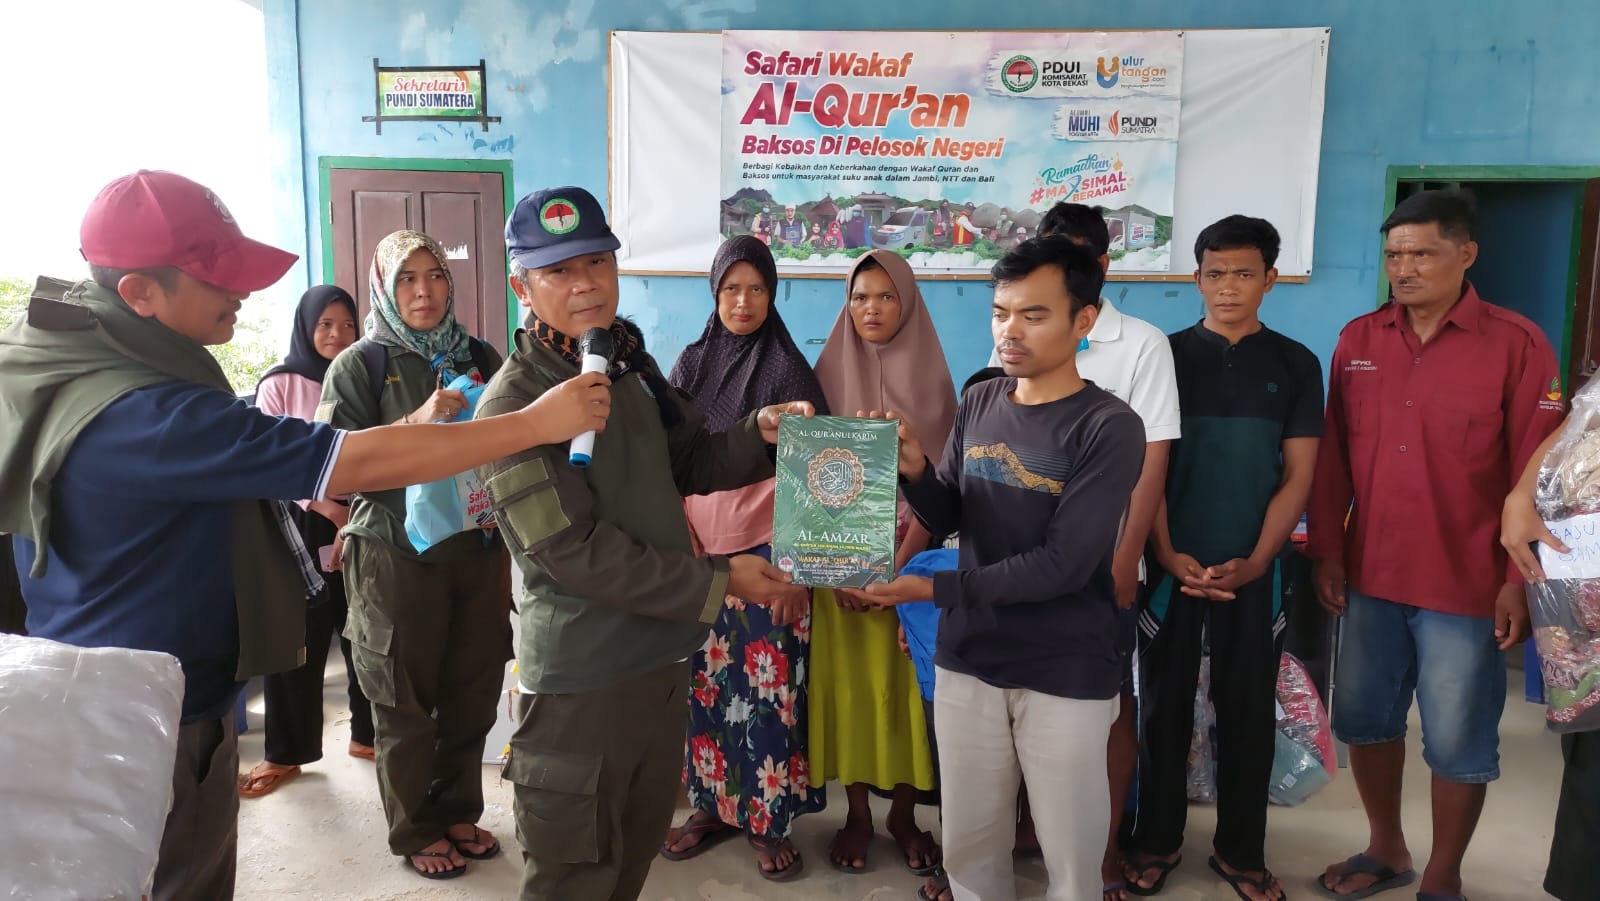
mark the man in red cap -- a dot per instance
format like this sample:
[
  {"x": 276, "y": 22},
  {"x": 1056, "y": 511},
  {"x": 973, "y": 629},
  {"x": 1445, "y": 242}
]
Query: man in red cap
[{"x": 126, "y": 451}]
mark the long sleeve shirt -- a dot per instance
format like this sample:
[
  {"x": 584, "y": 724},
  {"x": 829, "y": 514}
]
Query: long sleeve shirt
[
  {"x": 1037, "y": 493},
  {"x": 1422, "y": 443},
  {"x": 611, "y": 583}
]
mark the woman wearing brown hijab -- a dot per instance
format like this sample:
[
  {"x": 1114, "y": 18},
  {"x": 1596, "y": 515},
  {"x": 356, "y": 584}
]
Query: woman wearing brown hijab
[{"x": 867, "y": 721}]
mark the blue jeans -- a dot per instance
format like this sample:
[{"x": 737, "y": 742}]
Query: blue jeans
[{"x": 1389, "y": 652}]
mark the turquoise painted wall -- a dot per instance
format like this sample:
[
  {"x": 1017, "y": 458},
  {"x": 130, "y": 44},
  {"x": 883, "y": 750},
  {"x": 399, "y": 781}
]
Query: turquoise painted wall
[{"x": 1417, "y": 82}]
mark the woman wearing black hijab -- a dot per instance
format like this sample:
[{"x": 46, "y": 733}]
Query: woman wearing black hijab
[
  {"x": 324, "y": 325},
  {"x": 748, "y": 768}
]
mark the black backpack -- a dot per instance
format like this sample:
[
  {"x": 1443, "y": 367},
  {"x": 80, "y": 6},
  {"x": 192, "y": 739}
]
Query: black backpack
[{"x": 376, "y": 358}]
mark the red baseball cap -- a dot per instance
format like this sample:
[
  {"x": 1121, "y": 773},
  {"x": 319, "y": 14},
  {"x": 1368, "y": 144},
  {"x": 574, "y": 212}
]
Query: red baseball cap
[{"x": 153, "y": 219}]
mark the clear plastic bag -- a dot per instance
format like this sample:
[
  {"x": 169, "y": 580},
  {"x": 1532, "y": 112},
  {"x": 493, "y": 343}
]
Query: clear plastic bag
[
  {"x": 1303, "y": 759},
  {"x": 1203, "y": 744},
  {"x": 87, "y": 742},
  {"x": 1565, "y": 609}
]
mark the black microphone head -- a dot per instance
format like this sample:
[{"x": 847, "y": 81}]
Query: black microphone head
[{"x": 596, "y": 341}]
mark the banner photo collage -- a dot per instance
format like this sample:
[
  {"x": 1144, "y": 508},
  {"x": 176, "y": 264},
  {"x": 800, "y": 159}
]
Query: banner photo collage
[{"x": 946, "y": 147}]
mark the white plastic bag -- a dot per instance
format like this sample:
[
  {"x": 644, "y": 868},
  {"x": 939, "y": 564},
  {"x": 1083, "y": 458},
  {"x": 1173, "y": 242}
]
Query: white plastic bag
[{"x": 87, "y": 743}]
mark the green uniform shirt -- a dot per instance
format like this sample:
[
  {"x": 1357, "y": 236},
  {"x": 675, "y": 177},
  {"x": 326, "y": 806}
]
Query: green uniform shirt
[
  {"x": 347, "y": 404},
  {"x": 611, "y": 584}
]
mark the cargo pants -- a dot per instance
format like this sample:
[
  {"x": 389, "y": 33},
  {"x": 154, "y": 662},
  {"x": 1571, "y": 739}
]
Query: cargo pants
[{"x": 430, "y": 641}]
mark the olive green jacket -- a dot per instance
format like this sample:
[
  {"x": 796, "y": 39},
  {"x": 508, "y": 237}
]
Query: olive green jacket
[{"x": 612, "y": 585}]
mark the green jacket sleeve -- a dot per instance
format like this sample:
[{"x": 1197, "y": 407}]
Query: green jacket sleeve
[
  {"x": 705, "y": 462},
  {"x": 347, "y": 401},
  {"x": 545, "y": 511}
]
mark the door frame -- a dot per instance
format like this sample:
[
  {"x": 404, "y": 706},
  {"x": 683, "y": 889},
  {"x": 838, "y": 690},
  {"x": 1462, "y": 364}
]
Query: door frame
[
  {"x": 326, "y": 165},
  {"x": 1470, "y": 174}
]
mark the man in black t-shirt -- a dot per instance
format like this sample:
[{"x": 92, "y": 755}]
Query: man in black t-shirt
[
  {"x": 1035, "y": 478},
  {"x": 1240, "y": 475}
]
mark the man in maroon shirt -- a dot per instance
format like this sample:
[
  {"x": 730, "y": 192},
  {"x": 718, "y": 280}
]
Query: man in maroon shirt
[{"x": 1435, "y": 402}]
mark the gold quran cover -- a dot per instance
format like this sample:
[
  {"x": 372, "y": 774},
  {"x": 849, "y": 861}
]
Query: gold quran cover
[{"x": 834, "y": 514}]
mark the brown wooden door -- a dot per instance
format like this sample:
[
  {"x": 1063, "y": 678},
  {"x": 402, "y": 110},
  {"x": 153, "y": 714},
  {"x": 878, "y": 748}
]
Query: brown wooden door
[
  {"x": 1584, "y": 360},
  {"x": 464, "y": 211}
]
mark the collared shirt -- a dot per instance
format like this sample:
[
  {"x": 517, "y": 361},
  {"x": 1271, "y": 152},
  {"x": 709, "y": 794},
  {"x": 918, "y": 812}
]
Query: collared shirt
[
  {"x": 1131, "y": 359},
  {"x": 139, "y": 549},
  {"x": 1241, "y": 401},
  {"x": 1427, "y": 440}
]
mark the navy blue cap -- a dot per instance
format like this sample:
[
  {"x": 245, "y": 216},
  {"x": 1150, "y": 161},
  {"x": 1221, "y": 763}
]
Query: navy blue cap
[{"x": 557, "y": 224}]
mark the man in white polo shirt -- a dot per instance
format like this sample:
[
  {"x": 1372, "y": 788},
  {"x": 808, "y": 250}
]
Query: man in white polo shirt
[{"x": 1132, "y": 359}]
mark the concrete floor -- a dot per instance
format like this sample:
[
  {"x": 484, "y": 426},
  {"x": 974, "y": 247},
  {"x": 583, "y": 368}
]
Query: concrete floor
[{"x": 322, "y": 835}]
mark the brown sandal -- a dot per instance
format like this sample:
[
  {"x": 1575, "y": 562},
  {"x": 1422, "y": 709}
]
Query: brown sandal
[
  {"x": 711, "y": 832},
  {"x": 363, "y": 752},
  {"x": 265, "y": 779},
  {"x": 771, "y": 849}
]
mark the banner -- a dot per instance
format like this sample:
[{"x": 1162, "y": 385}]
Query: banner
[
  {"x": 442, "y": 93},
  {"x": 947, "y": 147},
  {"x": 412, "y": 94}
]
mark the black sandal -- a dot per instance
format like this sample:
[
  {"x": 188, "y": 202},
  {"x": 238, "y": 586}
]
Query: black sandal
[
  {"x": 1236, "y": 881},
  {"x": 488, "y": 854},
  {"x": 771, "y": 850},
  {"x": 712, "y": 832},
  {"x": 1164, "y": 867},
  {"x": 451, "y": 873}
]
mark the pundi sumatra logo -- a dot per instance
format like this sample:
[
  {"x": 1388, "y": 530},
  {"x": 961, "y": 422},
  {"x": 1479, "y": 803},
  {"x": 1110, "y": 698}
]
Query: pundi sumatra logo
[
  {"x": 558, "y": 216},
  {"x": 1555, "y": 389},
  {"x": 835, "y": 478}
]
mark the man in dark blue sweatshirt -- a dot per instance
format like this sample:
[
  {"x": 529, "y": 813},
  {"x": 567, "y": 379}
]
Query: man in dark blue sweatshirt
[{"x": 1036, "y": 477}]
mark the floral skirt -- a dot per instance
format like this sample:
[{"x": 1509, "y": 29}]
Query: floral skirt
[{"x": 747, "y": 759}]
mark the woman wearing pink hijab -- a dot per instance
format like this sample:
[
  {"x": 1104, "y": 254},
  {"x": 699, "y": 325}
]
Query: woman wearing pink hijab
[{"x": 867, "y": 722}]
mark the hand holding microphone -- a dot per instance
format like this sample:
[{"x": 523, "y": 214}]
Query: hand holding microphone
[{"x": 595, "y": 349}]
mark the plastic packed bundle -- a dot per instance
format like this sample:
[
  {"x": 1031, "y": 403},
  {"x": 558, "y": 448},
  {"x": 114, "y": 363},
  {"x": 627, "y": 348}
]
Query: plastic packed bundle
[
  {"x": 1303, "y": 760},
  {"x": 1565, "y": 609},
  {"x": 1203, "y": 745},
  {"x": 88, "y": 738}
]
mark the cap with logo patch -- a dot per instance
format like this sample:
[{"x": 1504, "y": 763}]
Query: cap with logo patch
[
  {"x": 153, "y": 220},
  {"x": 557, "y": 224}
]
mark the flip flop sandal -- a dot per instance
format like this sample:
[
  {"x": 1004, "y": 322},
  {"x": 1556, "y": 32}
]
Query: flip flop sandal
[
  {"x": 1236, "y": 881},
  {"x": 711, "y": 832},
  {"x": 363, "y": 752},
  {"x": 1441, "y": 896},
  {"x": 488, "y": 853},
  {"x": 1164, "y": 867},
  {"x": 261, "y": 781},
  {"x": 1362, "y": 865},
  {"x": 944, "y": 886},
  {"x": 442, "y": 874},
  {"x": 928, "y": 869},
  {"x": 844, "y": 866},
  {"x": 771, "y": 849}
]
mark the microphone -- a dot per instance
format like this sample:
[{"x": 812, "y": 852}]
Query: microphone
[{"x": 595, "y": 348}]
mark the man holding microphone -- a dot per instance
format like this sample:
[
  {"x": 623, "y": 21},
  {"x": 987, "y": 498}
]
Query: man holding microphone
[{"x": 615, "y": 599}]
